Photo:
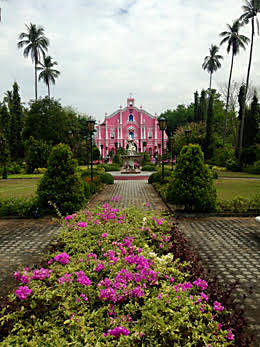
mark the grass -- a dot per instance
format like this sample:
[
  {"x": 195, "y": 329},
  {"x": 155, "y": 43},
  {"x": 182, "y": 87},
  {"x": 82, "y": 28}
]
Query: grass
[
  {"x": 25, "y": 175},
  {"x": 230, "y": 188},
  {"x": 18, "y": 188},
  {"x": 236, "y": 174}
]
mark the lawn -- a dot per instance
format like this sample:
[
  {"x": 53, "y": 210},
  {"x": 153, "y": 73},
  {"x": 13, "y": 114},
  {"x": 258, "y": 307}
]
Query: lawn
[
  {"x": 236, "y": 174},
  {"x": 229, "y": 188},
  {"x": 18, "y": 187}
]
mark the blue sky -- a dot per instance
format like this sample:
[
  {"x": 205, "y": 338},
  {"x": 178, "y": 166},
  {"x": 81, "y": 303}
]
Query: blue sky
[{"x": 108, "y": 48}]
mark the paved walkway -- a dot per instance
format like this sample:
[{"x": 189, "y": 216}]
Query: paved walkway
[
  {"x": 230, "y": 247},
  {"x": 22, "y": 243}
]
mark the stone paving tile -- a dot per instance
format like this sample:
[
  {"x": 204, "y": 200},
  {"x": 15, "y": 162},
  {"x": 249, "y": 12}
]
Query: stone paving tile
[
  {"x": 230, "y": 247},
  {"x": 133, "y": 193},
  {"x": 22, "y": 243}
]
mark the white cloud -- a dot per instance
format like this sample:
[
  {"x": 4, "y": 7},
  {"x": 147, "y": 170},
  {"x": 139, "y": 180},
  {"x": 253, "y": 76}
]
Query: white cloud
[{"x": 108, "y": 48}]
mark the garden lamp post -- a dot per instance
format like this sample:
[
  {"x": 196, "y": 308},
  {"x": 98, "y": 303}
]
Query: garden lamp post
[
  {"x": 162, "y": 126},
  {"x": 171, "y": 143},
  {"x": 187, "y": 135},
  {"x": 101, "y": 147},
  {"x": 91, "y": 127}
]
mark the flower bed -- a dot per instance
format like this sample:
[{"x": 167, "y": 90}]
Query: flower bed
[{"x": 114, "y": 282}]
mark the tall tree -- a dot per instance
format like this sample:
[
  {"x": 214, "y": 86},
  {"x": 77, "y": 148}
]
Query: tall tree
[
  {"x": 196, "y": 106},
  {"x": 36, "y": 45},
  {"x": 209, "y": 127},
  {"x": 48, "y": 74},
  {"x": 242, "y": 109},
  {"x": 251, "y": 9},
  {"x": 202, "y": 112},
  {"x": 212, "y": 62},
  {"x": 252, "y": 119},
  {"x": 16, "y": 124},
  {"x": 234, "y": 41},
  {"x": 5, "y": 122}
]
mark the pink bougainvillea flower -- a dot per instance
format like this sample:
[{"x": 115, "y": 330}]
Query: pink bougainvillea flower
[
  {"x": 62, "y": 258},
  {"x": 50, "y": 261},
  {"x": 218, "y": 306},
  {"x": 66, "y": 278},
  {"x": 104, "y": 235},
  {"x": 147, "y": 204},
  {"x": 201, "y": 283},
  {"x": 82, "y": 278},
  {"x": 82, "y": 224},
  {"x": 99, "y": 267},
  {"x": 230, "y": 336},
  {"x": 22, "y": 292},
  {"x": 116, "y": 332},
  {"x": 70, "y": 217},
  {"x": 40, "y": 274}
]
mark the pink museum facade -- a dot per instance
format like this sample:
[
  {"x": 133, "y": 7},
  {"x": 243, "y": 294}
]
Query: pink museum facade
[{"x": 127, "y": 123}]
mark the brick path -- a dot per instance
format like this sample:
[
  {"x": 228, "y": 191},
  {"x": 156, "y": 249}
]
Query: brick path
[
  {"x": 132, "y": 193},
  {"x": 22, "y": 243},
  {"x": 230, "y": 247}
]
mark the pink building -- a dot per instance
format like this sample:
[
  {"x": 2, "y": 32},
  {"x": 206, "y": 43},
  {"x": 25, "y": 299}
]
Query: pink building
[{"x": 127, "y": 123}]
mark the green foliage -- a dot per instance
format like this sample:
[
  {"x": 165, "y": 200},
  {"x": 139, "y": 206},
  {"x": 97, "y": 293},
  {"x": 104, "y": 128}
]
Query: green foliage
[
  {"x": 106, "y": 178},
  {"x": 16, "y": 123},
  {"x": 48, "y": 121},
  {"x": 18, "y": 207},
  {"x": 156, "y": 177},
  {"x": 5, "y": 123},
  {"x": 197, "y": 136},
  {"x": 37, "y": 153},
  {"x": 254, "y": 169},
  {"x": 117, "y": 159},
  {"x": 149, "y": 167},
  {"x": 202, "y": 108},
  {"x": 233, "y": 165},
  {"x": 111, "y": 167},
  {"x": 251, "y": 127},
  {"x": 178, "y": 117},
  {"x": 192, "y": 183},
  {"x": 239, "y": 204},
  {"x": 248, "y": 155},
  {"x": 222, "y": 155},
  {"x": 145, "y": 159},
  {"x": 61, "y": 184},
  {"x": 209, "y": 142}
]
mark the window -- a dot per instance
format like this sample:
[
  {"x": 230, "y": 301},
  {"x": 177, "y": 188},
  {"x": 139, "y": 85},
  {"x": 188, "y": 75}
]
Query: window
[
  {"x": 150, "y": 134},
  {"x": 112, "y": 135},
  {"x": 131, "y": 118},
  {"x": 131, "y": 135}
]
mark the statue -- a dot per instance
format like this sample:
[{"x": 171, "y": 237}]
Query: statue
[{"x": 131, "y": 147}]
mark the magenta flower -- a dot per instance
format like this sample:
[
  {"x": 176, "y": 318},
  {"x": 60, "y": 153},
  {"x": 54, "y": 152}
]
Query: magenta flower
[
  {"x": 82, "y": 224},
  {"x": 104, "y": 235},
  {"x": 62, "y": 258},
  {"x": 41, "y": 274},
  {"x": 82, "y": 278},
  {"x": 23, "y": 292},
  {"x": 116, "y": 332},
  {"x": 230, "y": 336},
  {"x": 99, "y": 267},
  {"x": 70, "y": 217},
  {"x": 218, "y": 306},
  {"x": 201, "y": 283},
  {"x": 66, "y": 278}
]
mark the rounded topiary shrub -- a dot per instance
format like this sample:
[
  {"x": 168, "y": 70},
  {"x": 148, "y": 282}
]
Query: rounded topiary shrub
[
  {"x": 156, "y": 177},
  {"x": 61, "y": 184},
  {"x": 192, "y": 183}
]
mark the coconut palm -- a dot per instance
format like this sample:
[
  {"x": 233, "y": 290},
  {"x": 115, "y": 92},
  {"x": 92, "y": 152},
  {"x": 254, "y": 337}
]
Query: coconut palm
[
  {"x": 234, "y": 41},
  {"x": 212, "y": 62},
  {"x": 251, "y": 9},
  {"x": 48, "y": 74},
  {"x": 36, "y": 46}
]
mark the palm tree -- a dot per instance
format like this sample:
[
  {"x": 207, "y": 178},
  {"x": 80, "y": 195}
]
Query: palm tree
[
  {"x": 36, "y": 45},
  {"x": 251, "y": 9},
  {"x": 48, "y": 74},
  {"x": 211, "y": 62},
  {"x": 235, "y": 41}
]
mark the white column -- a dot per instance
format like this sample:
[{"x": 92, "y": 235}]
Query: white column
[{"x": 144, "y": 131}]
